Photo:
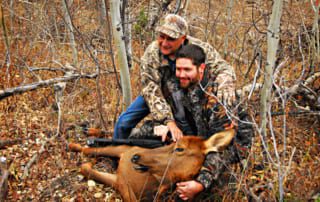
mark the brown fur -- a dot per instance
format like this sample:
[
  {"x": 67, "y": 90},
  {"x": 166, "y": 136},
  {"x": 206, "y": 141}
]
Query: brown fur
[{"x": 166, "y": 165}]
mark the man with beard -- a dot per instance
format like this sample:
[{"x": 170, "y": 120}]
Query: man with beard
[{"x": 159, "y": 58}]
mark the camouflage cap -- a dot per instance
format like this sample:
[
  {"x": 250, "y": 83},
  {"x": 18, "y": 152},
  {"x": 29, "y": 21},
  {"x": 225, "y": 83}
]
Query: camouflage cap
[{"x": 174, "y": 26}]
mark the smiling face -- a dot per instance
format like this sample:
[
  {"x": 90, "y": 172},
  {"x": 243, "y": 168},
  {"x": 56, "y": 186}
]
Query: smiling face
[
  {"x": 168, "y": 45},
  {"x": 188, "y": 73}
]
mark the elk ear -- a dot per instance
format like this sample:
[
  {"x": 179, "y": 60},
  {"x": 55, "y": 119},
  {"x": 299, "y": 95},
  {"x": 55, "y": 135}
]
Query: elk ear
[{"x": 219, "y": 141}]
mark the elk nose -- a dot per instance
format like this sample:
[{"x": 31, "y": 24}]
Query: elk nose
[{"x": 135, "y": 158}]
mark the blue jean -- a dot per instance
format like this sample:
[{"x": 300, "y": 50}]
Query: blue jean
[{"x": 137, "y": 110}]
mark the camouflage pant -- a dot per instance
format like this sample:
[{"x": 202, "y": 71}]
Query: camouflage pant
[{"x": 145, "y": 131}]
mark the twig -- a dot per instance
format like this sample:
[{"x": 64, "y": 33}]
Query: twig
[
  {"x": 96, "y": 61},
  {"x": 33, "y": 86},
  {"x": 34, "y": 158},
  {"x": 251, "y": 193},
  {"x": 59, "y": 88},
  {"x": 235, "y": 55},
  {"x": 3, "y": 183},
  {"x": 4, "y": 143},
  {"x": 289, "y": 91}
]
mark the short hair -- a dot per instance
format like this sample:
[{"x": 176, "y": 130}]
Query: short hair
[{"x": 193, "y": 52}]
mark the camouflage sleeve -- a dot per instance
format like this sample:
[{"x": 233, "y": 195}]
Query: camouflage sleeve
[
  {"x": 212, "y": 168},
  {"x": 151, "y": 82},
  {"x": 225, "y": 75},
  {"x": 217, "y": 64},
  {"x": 215, "y": 164},
  {"x": 245, "y": 133}
]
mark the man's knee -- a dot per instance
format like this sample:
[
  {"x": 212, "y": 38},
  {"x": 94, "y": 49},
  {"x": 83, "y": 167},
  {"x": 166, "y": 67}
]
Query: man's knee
[{"x": 123, "y": 127}]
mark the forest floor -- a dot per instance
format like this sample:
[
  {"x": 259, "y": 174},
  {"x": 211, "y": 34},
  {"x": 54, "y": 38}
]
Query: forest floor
[
  {"x": 55, "y": 176},
  {"x": 40, "y": 167}
]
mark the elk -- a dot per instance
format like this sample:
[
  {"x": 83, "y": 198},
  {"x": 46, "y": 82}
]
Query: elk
[{"x": 144, "y": 174}]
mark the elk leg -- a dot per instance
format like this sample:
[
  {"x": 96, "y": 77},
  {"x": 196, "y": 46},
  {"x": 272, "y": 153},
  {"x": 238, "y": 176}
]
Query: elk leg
[
  {"x": 95, "y": 132},
  {"x": 103, "y": 177},
  {"x": 112, "y": 151}
]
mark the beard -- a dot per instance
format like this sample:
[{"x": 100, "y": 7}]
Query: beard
[{"x": 187, "y": 82}]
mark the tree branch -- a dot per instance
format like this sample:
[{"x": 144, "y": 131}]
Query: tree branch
[{"x": 33, "y": 86}]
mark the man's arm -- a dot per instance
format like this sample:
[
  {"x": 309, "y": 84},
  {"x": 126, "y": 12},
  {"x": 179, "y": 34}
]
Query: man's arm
[
  {"x": 213, "y": 167},
  {"x": 225, "y": 76},
  {"x": 151, "y": 82},
  {"x": 216, "y": 163},
  {"x": 151, "y": 85}
]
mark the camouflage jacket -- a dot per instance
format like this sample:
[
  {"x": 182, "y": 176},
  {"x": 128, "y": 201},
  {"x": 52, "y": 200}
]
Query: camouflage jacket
[
  {"x": 204, "y": 116},
  {"x": 152, "y": 61}
]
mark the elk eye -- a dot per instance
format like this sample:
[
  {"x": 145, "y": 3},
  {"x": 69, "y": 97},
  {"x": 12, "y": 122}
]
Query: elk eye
[{"x": 179, "y": 149}]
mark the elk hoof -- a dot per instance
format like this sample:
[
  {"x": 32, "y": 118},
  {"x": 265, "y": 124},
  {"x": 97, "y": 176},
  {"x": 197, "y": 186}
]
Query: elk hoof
[
  {"x": 74, "y": 147},
  {"x": 86, "y": 168}
]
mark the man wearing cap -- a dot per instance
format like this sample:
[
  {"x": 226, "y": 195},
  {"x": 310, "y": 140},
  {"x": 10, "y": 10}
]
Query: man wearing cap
[{"x": 160, "y": 54}]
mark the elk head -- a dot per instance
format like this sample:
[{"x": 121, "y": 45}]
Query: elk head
[{"x": 181, "y": 160}]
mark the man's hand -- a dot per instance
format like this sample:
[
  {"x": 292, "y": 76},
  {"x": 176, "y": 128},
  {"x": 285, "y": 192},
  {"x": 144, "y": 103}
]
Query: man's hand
[
  {"x": 162, "y": 131},
  {"x": 226, "y": 89},
  {"x": 189, "y": 189},
  {"x": 176, "y": 133}
]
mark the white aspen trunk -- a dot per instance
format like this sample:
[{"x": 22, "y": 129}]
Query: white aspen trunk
[
  {"x": 103, "y": 14},
  {"x": 128, "y": 33},
  {"x": 273, "y": 36},
  {"x": 154, "y": 12},
  {"x": 68, "y": 21},
  {"x": 273, "y": 42},
  {"x": 11, "y": 15},
  {"x": 185, "y": 9},
  {"x": 121, "y": 52},
  {"x": 127, "y": 30}
]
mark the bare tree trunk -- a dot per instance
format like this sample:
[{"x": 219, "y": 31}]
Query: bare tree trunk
[
  {"x": 11, "y": 15},
  {"x": 185, "y": 8},
  {"x": 273, "y": 36},
  {"x": 157, "y": 8},
  {"x": 126, "y": 25},
  {"x": 121, "y": 56},
  {"x": 103, "y": 13},
  {"x": 68, "y": 21},
  {"x": 5, "y": 36}
]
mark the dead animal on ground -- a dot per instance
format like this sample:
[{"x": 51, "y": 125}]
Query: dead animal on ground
[{"x": 144, "y": 174}]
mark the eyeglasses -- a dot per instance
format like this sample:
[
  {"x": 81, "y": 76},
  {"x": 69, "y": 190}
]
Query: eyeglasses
[{"x": 168, "y": 38}]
